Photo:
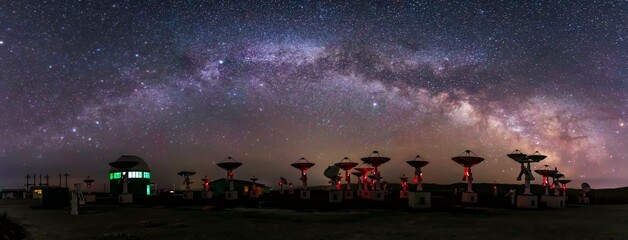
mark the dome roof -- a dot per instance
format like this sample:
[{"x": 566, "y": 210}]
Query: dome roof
[{"x": 141, "y": 164}]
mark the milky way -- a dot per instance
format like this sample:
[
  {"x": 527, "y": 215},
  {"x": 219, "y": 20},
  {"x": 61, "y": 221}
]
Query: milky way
[{"x": 184, "y": 85}]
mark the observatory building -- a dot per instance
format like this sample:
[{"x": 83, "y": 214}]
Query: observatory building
[{"x": 139, "y": 177}]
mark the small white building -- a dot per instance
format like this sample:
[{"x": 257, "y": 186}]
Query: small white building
[{"x": 13, "y": 193}]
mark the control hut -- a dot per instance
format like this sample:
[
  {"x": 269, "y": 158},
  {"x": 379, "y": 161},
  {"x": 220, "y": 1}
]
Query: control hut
[
  {"x": 139, "y": 177},
  {"x": 220, "y": 186}
]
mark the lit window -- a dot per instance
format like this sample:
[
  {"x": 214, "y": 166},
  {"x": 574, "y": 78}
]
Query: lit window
[
  {"x": 148, "y": 190},
  {"x": 117, "y": 175},
  {"x": 246, "y": 189},
  {"x": 110, "y": 176},
  {"x": 147, "y": 175}
]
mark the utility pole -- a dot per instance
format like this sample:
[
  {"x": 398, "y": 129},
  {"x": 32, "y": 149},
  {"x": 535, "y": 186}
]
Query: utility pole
[
  {"x": 27, "y": 181},
  {"x": 47, "y": 180},
  {"x": 66, "y": 179}
]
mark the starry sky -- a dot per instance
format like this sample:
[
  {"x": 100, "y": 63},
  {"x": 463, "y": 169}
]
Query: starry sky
[{"x": 184, "y": 84}]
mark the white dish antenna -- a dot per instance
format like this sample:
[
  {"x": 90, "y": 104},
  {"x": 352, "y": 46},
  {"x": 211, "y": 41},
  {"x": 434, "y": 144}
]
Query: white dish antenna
[{"x": 585, "y": 187}]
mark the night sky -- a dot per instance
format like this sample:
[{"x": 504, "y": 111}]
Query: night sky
[{"x": 184, "y": 84}]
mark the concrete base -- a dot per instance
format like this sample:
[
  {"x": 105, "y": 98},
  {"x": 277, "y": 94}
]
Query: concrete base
[
  {"x": 231, "y": 195},
  {"x": 527, "y": 201},
  {"x": 207, "y": 194},
  {"x": 583, "y": 200},
  {"x": 125, "y": 198},
  {"x": 367, "y": 194},
  {"x": 347, "y": 194},
  {"x": 469, "y": 197},
  {"x": 335, "y": 196},
  {"x": 188, "y": 195},
  {"x": 419, "y": 199},
  {"x": 378, "y": 195},
  {"x": 553, "y": 201},
  {"x": 305, "y": 194},
  {"x": 90, "y": 198},
  {"x": 403, "y": 194}
]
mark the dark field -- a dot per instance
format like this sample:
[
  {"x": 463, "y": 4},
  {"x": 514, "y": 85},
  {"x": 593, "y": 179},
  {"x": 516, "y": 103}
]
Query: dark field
[{"x": 109, "y": 221}]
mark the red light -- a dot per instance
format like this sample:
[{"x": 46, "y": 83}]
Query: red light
[{"x": 415, "y": 179}]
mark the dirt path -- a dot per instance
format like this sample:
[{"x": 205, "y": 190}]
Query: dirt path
[{"x": 132, "y": 222}]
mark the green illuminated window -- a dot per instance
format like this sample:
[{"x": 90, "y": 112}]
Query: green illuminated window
[
  {"x": 148, "y": 190},
  {"x": 132, "y": 174},
  {"x": 115, "y": 175}
]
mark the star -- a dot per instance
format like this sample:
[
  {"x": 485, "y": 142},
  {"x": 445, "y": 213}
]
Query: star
[{"x": 413, "y": 77}]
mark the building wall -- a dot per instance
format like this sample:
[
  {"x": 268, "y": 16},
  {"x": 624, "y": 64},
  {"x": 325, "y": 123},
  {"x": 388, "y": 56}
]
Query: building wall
[
  {"x": 243, "y": 188},
  {"x": 139, "y": 182}
]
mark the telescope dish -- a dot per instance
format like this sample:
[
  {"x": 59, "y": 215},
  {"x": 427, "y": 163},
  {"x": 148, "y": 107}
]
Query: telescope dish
[
  {"x": 229, "y": 164},
  {"x": 557, "y": 175},
  {"x": 346, "y": 164},
  {"x": 468, "y": 160},
  {"x": 403, "y": 178},
  {"x": 585, "y": 187},
  {"x": 186, "y": 173},
  {"x": 564, "y": 181},
  {"x": 517, "y": 156},
  {"x": 546, "y": 172},
  {"x": 417, "y": 162},
  {"x": 364, "y": 168},
  {"x": 332, "y": 172},
  {"x": 302, "y": 164},
  {"x": 375, "y": 159},
  {"x": 88, "y": 180},
  {"x": 536, "y": 157}
]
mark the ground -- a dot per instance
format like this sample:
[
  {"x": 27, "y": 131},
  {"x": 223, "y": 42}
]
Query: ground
[{"x": 197, "y": 222}]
